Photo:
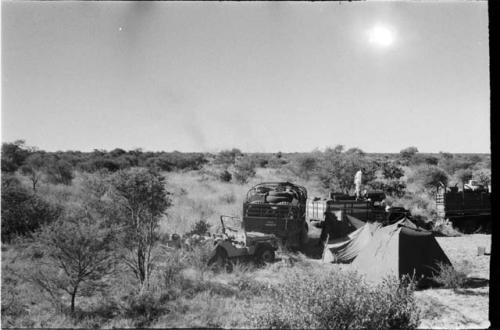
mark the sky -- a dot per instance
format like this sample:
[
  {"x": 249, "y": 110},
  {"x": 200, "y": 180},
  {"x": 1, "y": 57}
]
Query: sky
[{"x": 258, "y": 76}]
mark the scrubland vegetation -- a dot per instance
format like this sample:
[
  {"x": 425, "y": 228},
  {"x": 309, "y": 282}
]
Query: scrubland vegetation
[{"x": 83, "y": 238}]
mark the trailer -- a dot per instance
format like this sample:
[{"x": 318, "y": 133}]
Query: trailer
[{"x": 340, "y": 214}]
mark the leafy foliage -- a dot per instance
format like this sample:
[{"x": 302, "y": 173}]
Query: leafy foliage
[
  {"x": 338, "y": 300},
  {"x": 13, "y": 155},
  {"x": 59, "y": 171},
  {"x": 244, "y": 169},
  {"x": 225, "y": 176},
  {"x": 79, "y": 254},
  {"x": 141, "y": 200},
  {"x": 201, "y": 227},
  {"x": 23, "y": 211}
]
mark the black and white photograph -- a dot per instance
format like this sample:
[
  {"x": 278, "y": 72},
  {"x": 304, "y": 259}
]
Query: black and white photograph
[{"x": 246, "y": 164}]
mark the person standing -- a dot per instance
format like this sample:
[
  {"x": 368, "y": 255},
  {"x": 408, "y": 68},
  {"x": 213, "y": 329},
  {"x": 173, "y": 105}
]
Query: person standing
[{"x": 357, "y": 183}]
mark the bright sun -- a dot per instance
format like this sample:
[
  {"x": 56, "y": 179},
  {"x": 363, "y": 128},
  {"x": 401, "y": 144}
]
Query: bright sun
[{"x": 381, "y": 36}]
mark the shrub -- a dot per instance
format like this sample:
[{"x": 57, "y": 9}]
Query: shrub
[
  {"x": 201, "y": 227},
  {"x": 452, "y": 278},
  {"x": 22, "y": 211},
  {"x": 409, "y": 152},
  {"x": 244, "y": 169},
  {"x": 227, "y": 157},
  {"x": 444, "y": 227},
  {"x": 428, "y": 177},
  {"x": 225, "y": 176},
  {"x": 304, "y": 166},
  {"x": 337, "y": 300},
  {"x": 59, "y": 171},
  {"x": 144, "y": 308},
  {"x": 13, "y": 155}
]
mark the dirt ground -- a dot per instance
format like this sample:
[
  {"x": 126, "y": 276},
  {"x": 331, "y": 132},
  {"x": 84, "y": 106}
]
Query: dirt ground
[{"x": 460, "y": 308}]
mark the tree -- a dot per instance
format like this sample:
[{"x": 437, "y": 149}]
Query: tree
[
  {"x": 337, "y": 170},
  {"x": 445, "y": 155},
  {"x": 338, "y": 149},
  {"x": 59, "y": 171},
  {"x": 429, "y": 177},
  {"x": 392, "y": 171},
  {"x": 303, "y": 166},
  {"x": 244, "y": 169},
  {"x": 409, "y": 152},
  {"x": 79, "y": 256},
  {"x": 228, "y": 157},
  {"x": 13, "y": 155},
  {"x": 117, "y": 152},
  {"x": 355, "y": 151},
  {"x": 141, "y": 198},
  {"x": 463, "y": 176},
  {"x": 483, "y": 175},
  {"x": 33, "y": 168}
]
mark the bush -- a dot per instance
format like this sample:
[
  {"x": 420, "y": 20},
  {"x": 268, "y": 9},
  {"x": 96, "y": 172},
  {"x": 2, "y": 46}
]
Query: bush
[
  {"x": 452, "y": 278},
  {"x": 428, "y": 177},
  {"x": 338, "y": 300},
  {"x": 79, "y": 256},
  {"x": 201, "y": 227},
  {"x": 244, "y": 170},
  {"x": 225, "y": 176},
  {"x": 144, "y": 307},
  {"x": 22, "y": 211},
  {"x": 13, "y": 155},
  {"x": 445, "y": 228},
  {"x": 59, "y": 171}
]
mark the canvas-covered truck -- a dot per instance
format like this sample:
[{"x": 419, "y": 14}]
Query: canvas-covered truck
[
  {"x": 340, "y": 214},
  {"x": 277, "y": 208},
  {"x": 468, "y": 210}
]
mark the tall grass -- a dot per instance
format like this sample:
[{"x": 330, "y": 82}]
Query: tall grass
[{"x": 450, "y": 277}]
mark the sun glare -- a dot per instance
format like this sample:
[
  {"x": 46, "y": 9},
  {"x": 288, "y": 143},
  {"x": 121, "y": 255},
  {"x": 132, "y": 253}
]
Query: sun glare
[{"x": 381, "y": 36}]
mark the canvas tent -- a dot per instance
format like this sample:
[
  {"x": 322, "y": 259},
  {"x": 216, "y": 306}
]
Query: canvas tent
[
  {"x": 399, "y": 249},
  {"x": 345, "y": 250}
]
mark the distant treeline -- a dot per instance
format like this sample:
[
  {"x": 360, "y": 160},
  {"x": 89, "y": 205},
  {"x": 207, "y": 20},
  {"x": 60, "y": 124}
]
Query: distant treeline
[
  {"x": 409, "y": 178},
  {"x": 59, "y": 166},
  {"x": 15, "y": 155}
]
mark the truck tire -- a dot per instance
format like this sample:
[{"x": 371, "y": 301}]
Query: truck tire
[
  {"x": 278, "y": 199},
  {"x": 280, "y": 194},
  {"x": 265, "y": 254},
  {"x": 220, "y": 260},
  {"x": 469, "y": 226}
]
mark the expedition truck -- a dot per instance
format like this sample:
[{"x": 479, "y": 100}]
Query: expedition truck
[
  {"x": 339, "y": 214},
  {"x": 277, "y": 208},
  {"x": 468, "y": 210}
]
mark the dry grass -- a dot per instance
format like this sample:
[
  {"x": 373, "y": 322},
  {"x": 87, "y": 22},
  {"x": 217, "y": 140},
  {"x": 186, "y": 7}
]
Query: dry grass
[
  {"x": 190, "y": 295},
  {"x": 198, "y": 196}
]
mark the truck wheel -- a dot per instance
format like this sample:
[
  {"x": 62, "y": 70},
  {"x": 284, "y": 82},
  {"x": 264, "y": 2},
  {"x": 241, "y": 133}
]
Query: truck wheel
[
  {"x": 470, "y": 226},
  {"x": 220, "y": 260},
  {"x": 265, "y": 255}
]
